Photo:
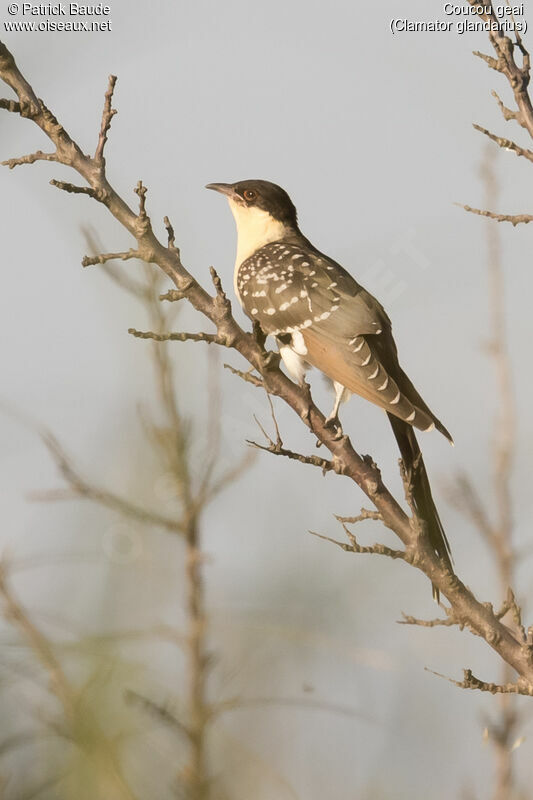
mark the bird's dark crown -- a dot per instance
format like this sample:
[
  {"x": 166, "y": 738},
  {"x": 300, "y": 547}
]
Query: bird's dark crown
[{"x": 269, "y": 197}]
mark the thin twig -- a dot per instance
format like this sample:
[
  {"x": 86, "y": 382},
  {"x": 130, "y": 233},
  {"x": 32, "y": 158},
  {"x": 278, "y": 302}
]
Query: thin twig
[
  {"x": 83, "y": 488},
  {"x": 248, "y": 376},
  {"x": 210, "y": 338},
  {"x": 448, "y": 622},
  {"x": 355, "y": 547},
  {"x": 471, "y": 682},
  {"x": 173, "y": 295},
  {"x": 102, "y": 258},
  {"x": 163, "y": 713},
  {"x": 73, "y": 189},
  {"x": 29, "y": 159},
  {"x": 514, "y": 219},
  {"x": 364, "y": 515},
  {"x": 107, "y": 115},
  {"x": 506, "y": 144}
]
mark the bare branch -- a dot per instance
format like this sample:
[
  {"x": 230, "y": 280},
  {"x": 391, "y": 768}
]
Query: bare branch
[
  {"x": 277, "y": 447},
  {"x": 29, "y": 159},
  {"x": 210, "y": 338},
  {"x": 315, "y": 461},
  {"x": 15, "y": 614},
  {"x": 355, "y": 547},
  {"x": 10, "y": 105},
  {"x": 141, "y": 191},
  {"x": 248, "y": 376},
  {"x": 83, "y": 488},
  {"x": 102, "y": 258},
  {"x": 107, "y": 115},
  {"x": 514, "y": 219},
  {"x": 506, "y": 144},
  {"x": 173, "y": 295},
  {"x": 516, "y": 614},
  {"x": 170, "y": 235},
  {"x": 73, "y": 189},
  {"x": 448, "y": 622},
  {"x": 163, "y": 713},
  {"x": 134, "y": 287},
  {"x": 465, "y": 498},
  {"x": 228, "y": 478},
  {"x": 507, "y": 113},
  {"x": 492, "y": 62},
  {"x": 471, "y": 682},
  {"x": 365, "y": 514},
  {"x": 505, "y": 63}
]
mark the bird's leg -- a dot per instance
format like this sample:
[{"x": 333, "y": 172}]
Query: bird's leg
[
  {"x": 258, "y": 334},
  {"x": 333, "y": 420},
  {"x": 306, "y": 416},
  {"x": 270, "y": 359}
]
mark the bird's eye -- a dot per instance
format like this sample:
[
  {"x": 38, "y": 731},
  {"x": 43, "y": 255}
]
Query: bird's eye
[{"x": 249, "y": 195}]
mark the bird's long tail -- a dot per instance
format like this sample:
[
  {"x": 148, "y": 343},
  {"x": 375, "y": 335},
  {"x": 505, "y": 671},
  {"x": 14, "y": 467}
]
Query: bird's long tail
[{"x": 422, "y": 497}]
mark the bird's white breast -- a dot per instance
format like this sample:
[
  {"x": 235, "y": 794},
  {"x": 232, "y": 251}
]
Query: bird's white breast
[{"x": 294, "y": 362}]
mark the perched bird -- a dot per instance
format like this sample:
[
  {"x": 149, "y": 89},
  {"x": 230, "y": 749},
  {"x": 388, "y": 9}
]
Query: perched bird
[{"x": 321, "y": 317}]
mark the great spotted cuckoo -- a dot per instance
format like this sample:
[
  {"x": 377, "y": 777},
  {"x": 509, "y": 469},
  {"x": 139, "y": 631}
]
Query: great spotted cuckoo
[{"x": 321, "y": 317}]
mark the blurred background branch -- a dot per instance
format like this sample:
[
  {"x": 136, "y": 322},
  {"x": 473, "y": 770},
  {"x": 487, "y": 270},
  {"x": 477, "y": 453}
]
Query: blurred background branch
[{"x": 493, "y": 517}]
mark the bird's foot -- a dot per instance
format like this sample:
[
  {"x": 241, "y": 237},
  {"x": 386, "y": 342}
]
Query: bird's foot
[
  {"x": 270, "y": 359},
  {"x": 306, "y": 415},
  {"x": 333, "y": 422},
  {"x": 259, "y": 335}
]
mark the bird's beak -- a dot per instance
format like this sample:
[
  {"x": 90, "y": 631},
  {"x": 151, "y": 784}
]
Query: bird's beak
[{"x": 224, "y": 188}]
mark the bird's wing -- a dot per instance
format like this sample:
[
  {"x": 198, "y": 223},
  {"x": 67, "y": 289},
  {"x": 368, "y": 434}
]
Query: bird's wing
[
  {"x": 346, "y": 333},
  {"x": 287, "y": 288}
]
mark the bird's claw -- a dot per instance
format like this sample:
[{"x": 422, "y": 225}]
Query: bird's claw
[
  {"x": 306, "y": 416},
  {"x": 259, "y": 335},
  {"x": 334, "y": 423},
  {"x": 270, "y": 359}
]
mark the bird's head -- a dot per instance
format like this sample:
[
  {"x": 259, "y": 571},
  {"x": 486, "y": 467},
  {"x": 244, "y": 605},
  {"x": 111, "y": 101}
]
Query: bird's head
[
  {"x": 254, "y": 197},
  {"x": 261, "y": 209}
]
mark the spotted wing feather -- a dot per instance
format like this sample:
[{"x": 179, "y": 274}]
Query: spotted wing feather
[{"x": 287, "y": 288}]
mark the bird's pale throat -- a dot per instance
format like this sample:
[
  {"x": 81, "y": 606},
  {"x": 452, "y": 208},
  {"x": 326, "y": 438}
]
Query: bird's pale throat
[{"x": 255, "y": 228}]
